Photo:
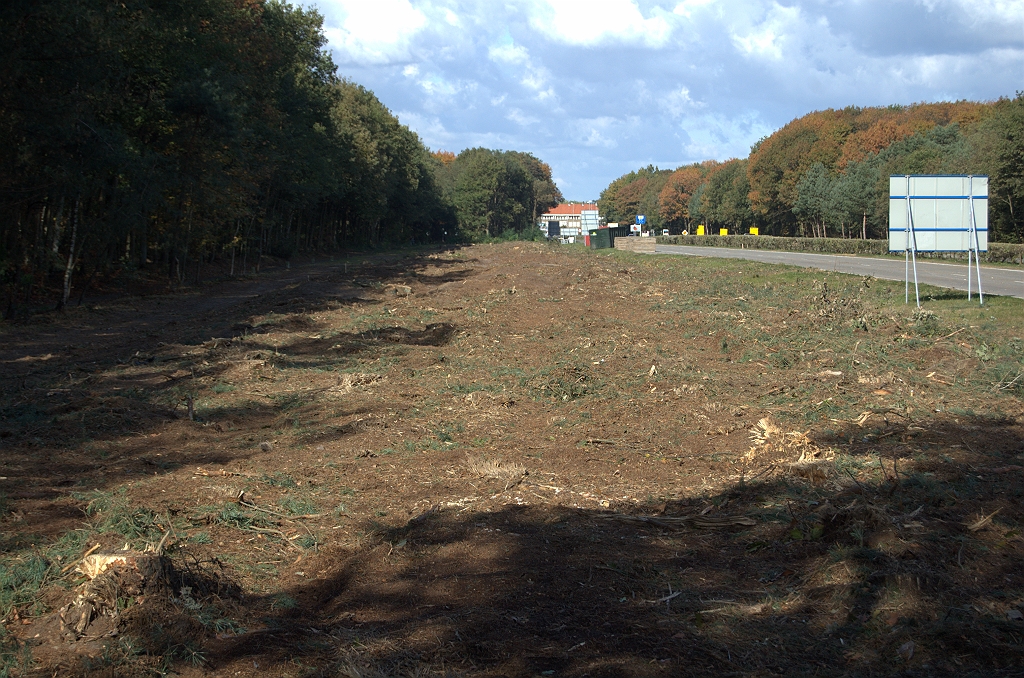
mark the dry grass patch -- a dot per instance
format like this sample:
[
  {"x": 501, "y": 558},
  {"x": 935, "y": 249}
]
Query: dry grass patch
[{"x": 504, "y": 471}]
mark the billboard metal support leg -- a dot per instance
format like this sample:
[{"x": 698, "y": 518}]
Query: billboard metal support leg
[
  {"x": 973, "y": 244},
  {"x": 969, "y": 253},
  {"x": 917, "y": 290},
  {"x": 977, "y": 269},
  {"x": 906, "y": 252},
  {"x": 911, "y": 250}
]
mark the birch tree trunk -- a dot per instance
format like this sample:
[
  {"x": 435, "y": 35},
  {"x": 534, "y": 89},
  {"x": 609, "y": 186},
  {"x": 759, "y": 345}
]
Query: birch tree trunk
[
  {"x": 58, "y": 224},
  {"x": 71, "y": 257}
]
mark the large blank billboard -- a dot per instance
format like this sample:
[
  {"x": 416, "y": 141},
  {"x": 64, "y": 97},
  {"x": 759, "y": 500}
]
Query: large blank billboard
[{"x": 940, "y": 210}]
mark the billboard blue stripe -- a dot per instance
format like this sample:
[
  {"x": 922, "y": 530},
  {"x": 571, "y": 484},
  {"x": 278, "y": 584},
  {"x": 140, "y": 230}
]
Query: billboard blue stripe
[
  {"x": 938, "y": 176},
  {"x": 939, "y": 230},
  {"x": 938, "y": 197}
]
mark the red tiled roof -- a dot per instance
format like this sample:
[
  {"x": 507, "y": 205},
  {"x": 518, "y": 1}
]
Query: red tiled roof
[{"x": 574, "y": 208}]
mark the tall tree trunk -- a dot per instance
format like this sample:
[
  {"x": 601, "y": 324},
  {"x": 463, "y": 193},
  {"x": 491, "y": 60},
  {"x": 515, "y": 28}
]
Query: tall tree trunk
[
  {"x": 71, "y": 257},
  {"x": 864, "y": 227},
  {"x": 57, "y": 227},
  {"x": 144, "y": 243}
]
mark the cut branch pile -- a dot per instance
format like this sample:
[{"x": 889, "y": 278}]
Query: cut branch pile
[{"x": 772, "y": 444}]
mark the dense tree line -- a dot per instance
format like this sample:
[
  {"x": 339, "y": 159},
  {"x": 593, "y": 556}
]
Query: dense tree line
[
  {"x": 496, "y": 193},
  {"x": 633, "y": 194},
  {"x": 827, "y": 173},
  {"x": 169, "y": 133}
]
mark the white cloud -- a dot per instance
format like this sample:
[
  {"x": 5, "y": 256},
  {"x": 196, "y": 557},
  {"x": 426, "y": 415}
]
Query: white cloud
[
  {"x": 586, "y": 22},
  {"x": 1008, "y": 12},
  {"x": 441, "y": 91},
  {"x": 430, "y": 129},
  {"x": 763, "y": 42},
  {"x": 1011, "y": 10},
  {"x": 520, "y": 118},
  {"x": 535, "y": 78},
  {"x": 940, "y": 72},
  {"x": 411, "y": 71},
  {"x": 372, "y": 32},
  {"x": 768, "y": 38},
  {"x": 688, "y": 7},
  {"x": 678, "y": 102},
  {"x": 436, "y": 135},
  {"x": 715, "y": 135},
  {"x": 596, "y": 132},
  {"x": 509, "y": 53},
  {"x": 451, "y": 17}
]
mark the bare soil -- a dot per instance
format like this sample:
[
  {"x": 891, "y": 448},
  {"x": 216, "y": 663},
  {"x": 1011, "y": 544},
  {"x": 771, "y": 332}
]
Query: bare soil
[{"x": 520, "y": 460}]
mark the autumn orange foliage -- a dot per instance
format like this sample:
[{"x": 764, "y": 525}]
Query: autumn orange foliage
[
  {"x": 446, "y": 158},
  {"x": 878, "y": 128},
  {"x": 837, "y": 138},
  {"x": 674, "y": 199}
]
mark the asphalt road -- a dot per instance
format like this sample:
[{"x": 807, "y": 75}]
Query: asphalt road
[{"x": 1007, "y": 282}]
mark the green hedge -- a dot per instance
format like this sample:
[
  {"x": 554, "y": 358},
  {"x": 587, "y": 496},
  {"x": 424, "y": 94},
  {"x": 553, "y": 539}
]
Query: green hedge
[{"x": 997, "y": 252}]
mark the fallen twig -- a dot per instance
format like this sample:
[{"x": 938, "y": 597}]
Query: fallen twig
[
  {"x": 67, "y": 568},
  {"x": 163, "y": 541},
  {"x": 950, "y": 335},
  {"x": 676, "y": 522},
  {"x": 771, "y": 467},
  {"x": 854, "y": 479},
  {"x": 275, "y": 532},
  {"x": 1004, "y": 385},
  {"x": 249, "y": 504},
  {"x": 982, "y": 523},
  {"x": 223, "y": 473}
]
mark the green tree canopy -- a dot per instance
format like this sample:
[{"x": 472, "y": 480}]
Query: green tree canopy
[
  {"x": 493, "y": 193},
  {"x": 145, "y": 132}
]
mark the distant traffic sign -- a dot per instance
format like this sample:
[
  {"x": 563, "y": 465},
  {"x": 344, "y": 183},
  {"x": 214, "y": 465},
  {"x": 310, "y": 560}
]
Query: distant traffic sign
[{"x": 641, "y": 219}]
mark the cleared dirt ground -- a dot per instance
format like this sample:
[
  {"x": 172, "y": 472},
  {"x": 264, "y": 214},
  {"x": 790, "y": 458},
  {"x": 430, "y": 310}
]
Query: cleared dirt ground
[{"x": 519, "y": 460}]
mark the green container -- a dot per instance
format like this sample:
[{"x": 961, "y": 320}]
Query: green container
[
  {"x": 599, "y": 239},
  {"x": 604, "y": 238}
]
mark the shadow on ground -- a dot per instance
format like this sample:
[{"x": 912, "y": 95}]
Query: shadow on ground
[
  {"x": 130, "y": 369},
  {"x": 868, "y": 571}
]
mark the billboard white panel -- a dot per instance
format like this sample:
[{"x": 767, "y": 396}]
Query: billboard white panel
[{"x": 939, "y": 211}]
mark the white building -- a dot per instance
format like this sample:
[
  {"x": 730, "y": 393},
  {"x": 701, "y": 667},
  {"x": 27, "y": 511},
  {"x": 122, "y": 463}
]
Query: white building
[{"x": 573, "y": 219}]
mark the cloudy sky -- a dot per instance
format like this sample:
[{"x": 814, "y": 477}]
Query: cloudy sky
[{"x": 597, "y": 88}]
